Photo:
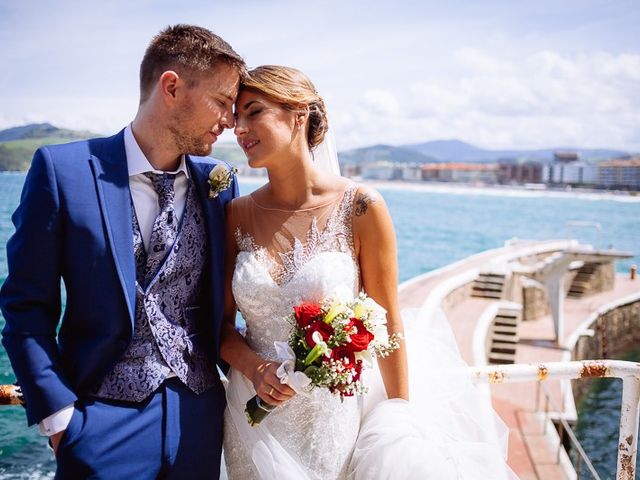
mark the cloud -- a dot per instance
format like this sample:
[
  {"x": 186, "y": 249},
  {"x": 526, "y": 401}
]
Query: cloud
[
  {"x": 380, "y": 102},
  {"x": 527, "y": 75},
  {"x": 541, "y": 100}
]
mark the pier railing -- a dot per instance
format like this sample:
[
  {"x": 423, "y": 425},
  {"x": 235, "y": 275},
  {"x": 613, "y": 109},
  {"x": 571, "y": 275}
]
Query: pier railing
[
  {"x": 564, "y": 427},
  {"x": 628, "y": 372}
]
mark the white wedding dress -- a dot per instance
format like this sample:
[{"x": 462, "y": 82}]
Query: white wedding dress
[{"x": 446, "y": 432}]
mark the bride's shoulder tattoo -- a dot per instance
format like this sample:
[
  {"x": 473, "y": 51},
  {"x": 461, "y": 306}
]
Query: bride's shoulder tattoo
[{"x": 363, "y": 201}]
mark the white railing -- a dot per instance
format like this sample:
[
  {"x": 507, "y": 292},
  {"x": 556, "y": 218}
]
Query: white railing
[
  {"x": 629, "y": 372},
  {"x": 581, "y": 456}
]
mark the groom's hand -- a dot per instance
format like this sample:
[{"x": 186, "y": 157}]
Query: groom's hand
[
  {"x": 268, "y": 386},
  {"x": 55, "y": 441}
]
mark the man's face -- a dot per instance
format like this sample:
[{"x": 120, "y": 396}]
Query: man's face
[{"x": 205, "y": 110}]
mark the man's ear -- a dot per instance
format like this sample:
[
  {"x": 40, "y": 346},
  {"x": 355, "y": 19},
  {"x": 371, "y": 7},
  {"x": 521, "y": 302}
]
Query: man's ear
[{"x": 169, "y": 84}]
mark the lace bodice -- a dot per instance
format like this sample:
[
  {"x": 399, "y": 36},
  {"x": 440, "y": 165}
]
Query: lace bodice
[
  {"x": 307, "y": 255},
  {"x": 267, "y": 284}
]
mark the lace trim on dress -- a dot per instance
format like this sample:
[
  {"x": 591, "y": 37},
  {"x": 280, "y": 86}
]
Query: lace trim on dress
[{"x": 336, "y": 236}]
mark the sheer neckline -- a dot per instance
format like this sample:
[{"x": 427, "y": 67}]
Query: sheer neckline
[
  {"x": 332, "y": 201},
  {"x": 284, "y": 260}
]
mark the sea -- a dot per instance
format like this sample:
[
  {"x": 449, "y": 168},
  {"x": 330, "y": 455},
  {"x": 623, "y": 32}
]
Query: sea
[{"x": 435, "y": 225}]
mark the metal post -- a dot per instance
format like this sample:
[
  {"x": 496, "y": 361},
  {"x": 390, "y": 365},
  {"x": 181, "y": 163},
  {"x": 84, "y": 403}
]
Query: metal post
[{"x": 628, "y": 441}]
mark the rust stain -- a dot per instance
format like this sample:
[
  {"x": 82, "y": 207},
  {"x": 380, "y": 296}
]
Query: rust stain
[
  {"x": 627, "y": 468},
  {"x": 496, "y": 376},
  {"x": 10, "y": 395},
  {"x": 594, "y": 370},
  {"x": 542, "y": 373},
  {"x": 629, "y": 440}
]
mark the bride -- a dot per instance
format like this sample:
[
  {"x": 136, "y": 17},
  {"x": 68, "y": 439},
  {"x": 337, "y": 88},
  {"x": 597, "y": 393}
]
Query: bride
[{"x": 305, "y": 235}]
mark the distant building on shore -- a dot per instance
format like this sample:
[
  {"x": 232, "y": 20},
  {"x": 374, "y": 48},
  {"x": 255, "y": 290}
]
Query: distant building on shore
[
  {"x": 412, "y": 172},
  {"x": 567, "y": 169},
  {"x": 575, "y": 173},
  {"x": 461, "y": 172},
  {"x": 622, "y": 173},
  {"x": 565, "y": 157},
  {"x": 510, "y": 172},
  {"x": 380, "y": 171}
]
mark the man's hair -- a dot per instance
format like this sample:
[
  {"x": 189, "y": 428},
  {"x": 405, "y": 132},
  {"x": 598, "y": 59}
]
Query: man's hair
[{"x": 188, "y": 50}]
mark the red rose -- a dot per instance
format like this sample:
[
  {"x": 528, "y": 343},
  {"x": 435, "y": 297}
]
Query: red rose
[
  {"x": 325, "y": 330},
  {"x": 361, "y": 338},
  {"x": 344, "y": 355},
  {"x": 306, "y": 313},
  {"x": 358, "y": 369}
]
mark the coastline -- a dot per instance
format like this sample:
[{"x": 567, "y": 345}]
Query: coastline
[
  {"x": 453, "y": 188},
  {"x": 486, "y": 190}
]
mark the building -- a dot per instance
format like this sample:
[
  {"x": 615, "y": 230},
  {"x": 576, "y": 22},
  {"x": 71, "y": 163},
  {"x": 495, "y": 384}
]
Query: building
[
  {"x": 460, "y": 172},
  {"x": 380, "y": 171},
  {"x": 411, "y": 172},
  {"x": 565, "y": 157},
  {"x": 520, "y": 173},
  {"x": 622, "y": 173},
  {"x": 574, "y": 173}
]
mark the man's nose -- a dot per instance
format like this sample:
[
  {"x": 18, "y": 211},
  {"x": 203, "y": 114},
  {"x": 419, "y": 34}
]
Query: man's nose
[{"x": 228, "y": 119}]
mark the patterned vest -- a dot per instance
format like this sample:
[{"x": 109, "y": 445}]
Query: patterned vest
[{"x": 166, "y": 337}]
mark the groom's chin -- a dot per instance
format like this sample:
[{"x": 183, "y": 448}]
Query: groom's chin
[{"x": 202, "y": 150}]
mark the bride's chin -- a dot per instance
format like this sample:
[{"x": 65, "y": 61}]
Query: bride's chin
[{"x": 255, "y": 161}]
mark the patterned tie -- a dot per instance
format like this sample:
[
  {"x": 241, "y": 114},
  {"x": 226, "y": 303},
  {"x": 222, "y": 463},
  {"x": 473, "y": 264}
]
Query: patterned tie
[{"x": 165, "y": 226}]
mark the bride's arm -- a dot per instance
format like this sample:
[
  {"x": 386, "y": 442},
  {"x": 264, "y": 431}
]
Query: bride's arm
[
  {"x": 375, "y": 244},
  {"x": 233, "y": 348}
]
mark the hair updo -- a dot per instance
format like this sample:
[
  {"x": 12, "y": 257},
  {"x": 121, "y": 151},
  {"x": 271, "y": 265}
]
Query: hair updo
[{"x": 291, "y": 88}]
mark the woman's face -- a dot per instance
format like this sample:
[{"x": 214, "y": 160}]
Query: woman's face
[{"x": 265, "y": 130}]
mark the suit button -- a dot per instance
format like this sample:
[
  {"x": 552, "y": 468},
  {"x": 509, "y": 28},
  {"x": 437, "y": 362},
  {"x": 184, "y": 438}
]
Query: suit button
[{"x": 122, "y": 345}]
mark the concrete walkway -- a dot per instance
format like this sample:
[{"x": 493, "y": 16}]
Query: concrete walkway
[{"x": 532, "y": 454}]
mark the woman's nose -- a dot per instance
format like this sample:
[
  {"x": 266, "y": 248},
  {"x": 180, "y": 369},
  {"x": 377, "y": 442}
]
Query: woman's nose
[{"x": 240, "y": 128}]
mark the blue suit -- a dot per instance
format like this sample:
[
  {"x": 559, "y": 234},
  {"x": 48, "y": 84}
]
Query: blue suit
[{"x": 74, "y": 223}]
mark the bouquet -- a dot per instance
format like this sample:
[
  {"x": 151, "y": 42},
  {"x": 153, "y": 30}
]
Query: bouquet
[{"x": 329, "y": 346}]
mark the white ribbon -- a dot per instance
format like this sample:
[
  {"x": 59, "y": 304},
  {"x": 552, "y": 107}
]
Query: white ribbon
[{"x": 286, "y": 372}]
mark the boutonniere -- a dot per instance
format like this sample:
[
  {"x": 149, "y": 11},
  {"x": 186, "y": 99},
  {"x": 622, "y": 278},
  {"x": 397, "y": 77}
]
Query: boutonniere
[{"x": 220, "y": 178}]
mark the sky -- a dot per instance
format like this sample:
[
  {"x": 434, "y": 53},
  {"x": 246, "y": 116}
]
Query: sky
[{"x": 497, "y": 74}]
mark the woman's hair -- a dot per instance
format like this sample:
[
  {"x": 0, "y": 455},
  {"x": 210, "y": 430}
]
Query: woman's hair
[{"x": 291, "y": 88}]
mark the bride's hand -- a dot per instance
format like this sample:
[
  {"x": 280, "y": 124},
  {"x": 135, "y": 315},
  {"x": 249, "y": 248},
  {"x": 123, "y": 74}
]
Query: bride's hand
[{"x": 268, "y": 386}]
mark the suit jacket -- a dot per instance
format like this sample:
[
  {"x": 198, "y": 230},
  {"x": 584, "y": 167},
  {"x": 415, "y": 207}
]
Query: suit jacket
[{"x": 74, "y": 223}]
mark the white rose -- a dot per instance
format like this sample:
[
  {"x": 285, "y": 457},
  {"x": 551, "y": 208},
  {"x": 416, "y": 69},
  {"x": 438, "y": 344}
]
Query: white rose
[
  {"x": 218, "y": 173},
  {"x": 377, "y": 314}
]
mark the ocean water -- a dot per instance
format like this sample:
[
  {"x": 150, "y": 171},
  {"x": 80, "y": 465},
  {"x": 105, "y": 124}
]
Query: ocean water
[{"x": 434, "y": 226}]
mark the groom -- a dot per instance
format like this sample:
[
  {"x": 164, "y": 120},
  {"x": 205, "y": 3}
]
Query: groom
[{"x": 128, "y": 387}]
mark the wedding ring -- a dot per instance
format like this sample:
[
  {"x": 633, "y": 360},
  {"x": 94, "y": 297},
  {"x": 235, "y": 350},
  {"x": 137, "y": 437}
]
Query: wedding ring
[
  {"x": 262, "y": 367},
  {"x": 271, "y": 392}
]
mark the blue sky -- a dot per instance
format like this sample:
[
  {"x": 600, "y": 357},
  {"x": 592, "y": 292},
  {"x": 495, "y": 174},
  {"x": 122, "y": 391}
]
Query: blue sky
[{"x": 498, "y": 74}]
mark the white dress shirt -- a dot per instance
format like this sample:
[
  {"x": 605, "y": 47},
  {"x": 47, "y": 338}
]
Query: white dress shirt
[{"x": 145, "y": 202}]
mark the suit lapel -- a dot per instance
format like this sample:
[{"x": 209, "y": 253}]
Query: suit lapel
[
  {"x": 112, "y": 184},
  {"x": 214, "y": 219}
]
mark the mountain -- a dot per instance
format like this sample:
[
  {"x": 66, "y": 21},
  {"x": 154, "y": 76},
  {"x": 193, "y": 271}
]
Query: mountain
[
  {"x": 42, "y": 130},
  {"x": 18, "y": 144},
  {"x": 383, "y": 153},
  {"x": 458, "y": 151}
]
